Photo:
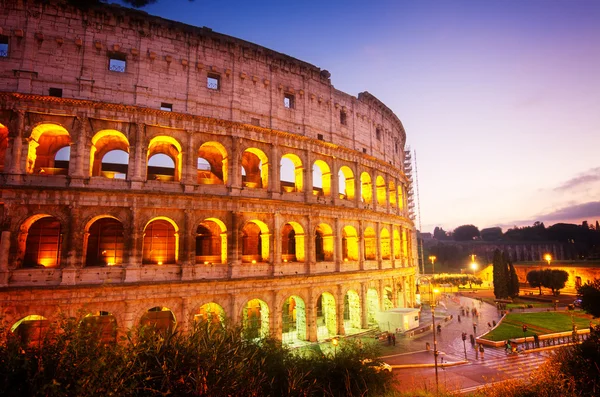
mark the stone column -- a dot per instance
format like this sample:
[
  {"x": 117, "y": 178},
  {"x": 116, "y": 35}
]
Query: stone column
[
  {"x": 378, "y": 243},
  {"x": 82, "y": 144},
  {"x": 188, "y": 257},
  {"x": 274, "y": 182},
  {"x": 233, "y": 245},
  {"x": 235, "y": 173},
  {"x": 276, "y": 243},
  {"x": 73, "y": 248},
  {"x": 310, "y": 245},
  {"x": 364, "y": 319},
  {"x": 184, "y": 322},
  {"x": 4, "y": 251},
  {"x": 137, "y": 173},
  {"x": 16, "y": 130},
  {"x": 337, "y": 249},
  {"x": 308, "y": 178},
  {"x": 135, "y": 246},
  {"x": 335, "y": 181},
  {"x": 311, "y": 317},
  {"x": 189, "y": 164},
  {"x": 339, "y": 299},
  {"x": 361, "y": 244}
]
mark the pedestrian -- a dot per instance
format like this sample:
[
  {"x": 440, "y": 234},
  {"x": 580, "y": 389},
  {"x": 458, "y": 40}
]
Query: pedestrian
[
  {"x": 494, "y": 322},
  {"x": 536, "y": 340},
  {"x": 439, "y": 328},
  {"x": 389, "y": 338},
  {"x": 472, "y": 339},
  {"x": 489, "y": 325},
  {"x": 475, "y": 328},
  {"x": 481, "y": 350},
  {"x": 459, "y": 321},
  {"x": 476, "y": 353},
  {"x": 394, "y": 339},
  {"x": 507, "y": 347}
]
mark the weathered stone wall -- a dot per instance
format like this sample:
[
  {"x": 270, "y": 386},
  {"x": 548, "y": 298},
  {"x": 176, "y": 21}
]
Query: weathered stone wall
[{"x": 56, "y": 46}]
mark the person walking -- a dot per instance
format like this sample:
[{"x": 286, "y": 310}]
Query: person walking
[
  {"x": 481, "y": 351},
  {"x": 394, "y": 339}
]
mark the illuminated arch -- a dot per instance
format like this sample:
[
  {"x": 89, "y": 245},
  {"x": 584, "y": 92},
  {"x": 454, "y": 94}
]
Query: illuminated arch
[
  {"x": 44, "y": 143},
  {"x": 169, "y": 147},
  {"x": 213, "y": 164},
  {"x": 294, "y": 321},
  {"x": 346, "y": 181},
  {"x": 255, "y": 319},
  {"x": 211, "y": 314},
  {"x": 104, "y": 142},
  {"x": 397, "y": 244},
  {"x": 349, "y": 243},
  {"x": 101, "y": 325},
  {"x": 392, "y": 194},
  {"x": 324, "y": 244},
  {"x": 372, "y": 307},
  {"x": 161, "y": 241},
  {"x": 370, "y": 244},
  {"x": 211, "y": 242},
  {"x": 291, "y": 175},
  {"x": 255, "y": 242},
  {"x": 326, "y": 316},
  {"x": 43, "y": 241},
  {"x": 31, "y": 330},
  {"x": 255, "y": 168},
  {"x": 352, "y": 312},
  {"x": 104, "y": 241},
  {"x": 321, "y": 178},
  {"x": 366, "y": 188},
  {"x": 400, "y": 197},
  {"x": 381, "y": 190},
  {"x": 385, "y": 247},
  {"x": 3, "y": 145},
  {"x": 292, "y": 243},
  {"x": 159, "y": 319}
]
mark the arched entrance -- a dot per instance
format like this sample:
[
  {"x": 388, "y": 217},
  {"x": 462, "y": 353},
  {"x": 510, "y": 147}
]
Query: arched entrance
[
  {"x": 372, "y": 307},
  {"x": 159, "y": 319},
  {"x": 352, "y": 313},
  {"x": 293, "y": 320},
  {"x": 255, "y": 319},
  {"x": 326, "y": 316}
]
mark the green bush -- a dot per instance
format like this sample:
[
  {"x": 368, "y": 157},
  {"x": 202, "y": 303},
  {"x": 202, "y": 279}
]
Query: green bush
[{"x": 209, "y": 361}]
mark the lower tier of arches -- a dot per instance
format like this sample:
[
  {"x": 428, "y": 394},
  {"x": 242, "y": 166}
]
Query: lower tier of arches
[{"x": 292, "y": 309}]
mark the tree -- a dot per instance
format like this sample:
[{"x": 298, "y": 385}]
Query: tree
[
  {"x": 439, "y": 233},
  {"x": 500, "y": 276},
  {"x": 513, "y": 286},
  {"x": 534, "y": 278},
  {"x": 491, "y": 234},
  {"x": 589, "y": 293},
  {"x": 554, "y": 279},
  {"x": 465, "y": 233}
]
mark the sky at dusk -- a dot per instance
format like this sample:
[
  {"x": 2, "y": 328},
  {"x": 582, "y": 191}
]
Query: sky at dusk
[{"x": 500, "y": 99}]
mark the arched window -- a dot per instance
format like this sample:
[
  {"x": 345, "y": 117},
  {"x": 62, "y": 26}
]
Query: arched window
[
  {"x": 256, "y": 169},
  {"x": 160, "y": 243},
  {"x": 105, "y": 243},
  {"x": 43, "y": 244},
  {"x": 109, "y": 155},
  {"x": 212, "y": 164},
  {"x": 49, "y": 150}
]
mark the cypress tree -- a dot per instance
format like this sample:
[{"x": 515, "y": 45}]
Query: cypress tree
[
  {"x": 500, "y": 273},
  {"x": 514, "y": 280}
]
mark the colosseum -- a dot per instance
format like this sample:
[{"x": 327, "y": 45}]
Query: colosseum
[{"x": 153, "y": 172}]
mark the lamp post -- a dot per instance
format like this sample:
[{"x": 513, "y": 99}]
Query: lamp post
[
  {"x": 432, "y": 304},
  {"x": 334, "y": 342},
  {"x": 432, "y": 258}
]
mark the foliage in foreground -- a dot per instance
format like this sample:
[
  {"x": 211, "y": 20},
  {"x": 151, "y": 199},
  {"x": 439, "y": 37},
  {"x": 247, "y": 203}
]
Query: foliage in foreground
[
  {"x": 206, "y": 362},
  {"x": 571, "y": 371},
  {"x": 589, "y": 293}
]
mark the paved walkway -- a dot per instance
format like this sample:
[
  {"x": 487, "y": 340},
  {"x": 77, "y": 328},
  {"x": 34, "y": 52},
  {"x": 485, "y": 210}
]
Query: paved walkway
[{"x": 412, "y": 351}]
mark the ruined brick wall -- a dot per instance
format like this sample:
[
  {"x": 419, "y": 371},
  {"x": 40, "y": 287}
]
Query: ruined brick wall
[{"x": 243, "y": 123}]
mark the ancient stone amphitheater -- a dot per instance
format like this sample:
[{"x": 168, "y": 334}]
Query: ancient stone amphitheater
[{"x": 153, "y": 172}]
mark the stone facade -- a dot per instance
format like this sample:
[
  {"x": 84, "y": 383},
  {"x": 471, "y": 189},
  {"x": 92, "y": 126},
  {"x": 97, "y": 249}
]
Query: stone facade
[{"x": 147, "y": 164}]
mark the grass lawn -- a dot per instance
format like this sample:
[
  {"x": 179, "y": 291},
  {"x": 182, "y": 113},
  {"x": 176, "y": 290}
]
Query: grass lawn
[
  {"x": 537, "y": 323},
  {"x": 519, "y": 304}
]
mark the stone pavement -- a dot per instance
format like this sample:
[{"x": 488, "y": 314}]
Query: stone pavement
[{"x": 412, "y": 351}]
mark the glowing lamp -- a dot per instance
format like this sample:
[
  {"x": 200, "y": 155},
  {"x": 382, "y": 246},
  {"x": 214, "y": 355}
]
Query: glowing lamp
[
  {"x": 160, "y": 262},
  {"x": 474, "y": 266},
  {"x": 436, "y": 291},
  {"x": 548, "y": 258},
  {"x": 345, "y": 259},
  {"x": 253, "y": 261},
  {"x": 206, "y": 262}
]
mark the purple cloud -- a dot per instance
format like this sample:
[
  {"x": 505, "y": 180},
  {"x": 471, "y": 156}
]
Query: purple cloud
[
  {"x": 572, "y": 213},
  {"x": 587, "y": 177}
]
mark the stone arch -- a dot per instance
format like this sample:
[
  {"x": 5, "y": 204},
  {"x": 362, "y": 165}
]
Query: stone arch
[
  {"x": 352, "y": 312},
  {"x": 40, "y": 241},
  {"x": 211, "y": 242},
  {"x": 255, "y": 168},
  {"x": 101, "y": 325},
  {"x": 392, "y": 194},
  {"x": 161, "y": 241},
  {"x": 31, "y": 330},
  {"x": 396, "y": 244},
  {"x": 294, "y": 320},
  {"x": 370, "y": 244},
  {"x": 326, "y": 316},
  {"x": 321, "y": 178},
  {"x": 388, "y": 298},
  {"x": 46, "y": 140},
  {"x": 324, "y": 243},
  {"x": 349, "y": 243},
  {"x": 104, "y": 241},
  {"x": 169, "y": 147},
  {"x": 400, "y": 197},
  {"x": 255, "y": 242},
  {"x": 291, "y": 176},
  {"x": 255, "y": 319},
  {"x": 346, "y": 182},
  {"x": 385, "y": 246},
  {"x": 211, "y": 314},
  {"x": 3, "y": 145},
  {"x": 160, "y": 319},
  {"x": 366, "y": 188},
  {"x": 292, "y": 243},
  {"x": 372, "y": 307},
  {"x": 381, "y": 190},
  {"x": 109, "y": 145},
  {"x": 213, "y": 164}
]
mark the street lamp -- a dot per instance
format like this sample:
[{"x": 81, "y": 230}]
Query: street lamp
[
  {"x": 474, "y": 266},
  {"x": 548, "y": 258},
  {"x": 432, "y": 304},
  {"x": 432, "y": 258},
  {"x": 334, "y": 342}
]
